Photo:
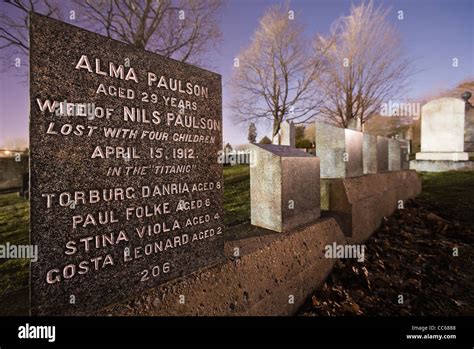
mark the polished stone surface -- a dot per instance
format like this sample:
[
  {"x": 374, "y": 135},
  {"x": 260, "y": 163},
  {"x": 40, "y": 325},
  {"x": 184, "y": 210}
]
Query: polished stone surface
[
  {"x": 369, "y": 153},
  {"x": 114, "y": 216},
  {"x": 339, "y": 150},
  {"x": 382, "y": 154},
  {"x": 394, "y": 155},
  {"x": 284, "y": 187}
]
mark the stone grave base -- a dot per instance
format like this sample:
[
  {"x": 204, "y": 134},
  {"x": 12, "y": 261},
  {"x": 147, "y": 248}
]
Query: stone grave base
[
  {"x": 360, "y": 203},
  {"x": 441, "y": 165},
  {"x": 449, "y": 156},
  {"x": 274, "y": 275},
  {"x": 268, "y": 273}
]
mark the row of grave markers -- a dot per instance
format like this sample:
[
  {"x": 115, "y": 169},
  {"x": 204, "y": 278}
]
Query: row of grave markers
[
  {"x": 285, "y": 182},
  {"x": 349, "y": 153}
]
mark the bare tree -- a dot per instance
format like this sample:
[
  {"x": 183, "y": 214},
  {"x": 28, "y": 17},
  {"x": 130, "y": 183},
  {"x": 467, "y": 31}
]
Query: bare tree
[
  {"x": 275, "y": 77},
  {"x": 364, "y": 64},
  {"x": 179, "y": 29},
  {"x": 14, "y": 30}
]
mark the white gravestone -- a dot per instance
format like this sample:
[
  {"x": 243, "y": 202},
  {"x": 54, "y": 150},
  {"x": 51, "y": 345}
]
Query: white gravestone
[
  {"x": 442, "y": 130},
  {"x": 287, "y": 134}
]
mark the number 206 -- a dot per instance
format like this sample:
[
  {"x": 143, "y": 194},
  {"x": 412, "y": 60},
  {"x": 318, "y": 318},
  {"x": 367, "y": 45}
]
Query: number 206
[{"x": 155, "y": 271}]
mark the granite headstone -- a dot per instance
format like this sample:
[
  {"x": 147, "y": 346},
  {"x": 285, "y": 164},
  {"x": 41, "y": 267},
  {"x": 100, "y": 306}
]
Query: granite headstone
[
  {"x": 369, "y": 153},
  {"x": 382, "y": 154},
  {"x": 405, "y": 146},
  {"x": 339, "y": 150},
  {"x": 287, "y": 134},
  {"x": 394, "y": 155},
  {"x": 126, "y": 189},
  {"x": 442, "y": 130},
  {"x": 284, "y": 187}
]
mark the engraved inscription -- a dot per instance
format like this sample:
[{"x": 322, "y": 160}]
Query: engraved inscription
[{"x": 126, "y": 187}]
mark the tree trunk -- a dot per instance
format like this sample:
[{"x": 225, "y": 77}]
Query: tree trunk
[{"x": 276, "y": 128}]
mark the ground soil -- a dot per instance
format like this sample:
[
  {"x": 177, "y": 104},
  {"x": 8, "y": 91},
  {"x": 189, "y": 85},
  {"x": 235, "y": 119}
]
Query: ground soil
[{"x": 423, "y": 253}]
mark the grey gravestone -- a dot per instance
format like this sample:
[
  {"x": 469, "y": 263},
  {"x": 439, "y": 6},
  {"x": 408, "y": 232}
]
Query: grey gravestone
[
  {"x": 355, "y": 164},
  {"x": 469, "y": 130},
  {"x": 130, "y": 195},
  {"x": 405, "y": 146},
  {"x": 276, "y": 139},
  {"x": 355, "y": 124},
  {"x": 394, "y": 155},
  {"x": 25, "y": 186},
  {"x": 287, "y": 134},
  {"x": 382, "y": 154},
  {"x": 369, "y": 152},
  {"x": 284, "y": 187},
  {"x": 339, "y": 150},
  {"x": 330, "y": 148}
]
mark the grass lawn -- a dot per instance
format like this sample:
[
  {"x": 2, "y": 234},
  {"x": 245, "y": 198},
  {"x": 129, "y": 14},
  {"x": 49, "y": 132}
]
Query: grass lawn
[
  {"x": 236, "y": 194},
  {"x": 14, "y": 214},
  {"x": 451, "y": 192}
]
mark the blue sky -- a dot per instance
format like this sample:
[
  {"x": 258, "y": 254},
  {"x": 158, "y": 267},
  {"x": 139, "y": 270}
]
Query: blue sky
[{"x": 433, "y": 32}]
